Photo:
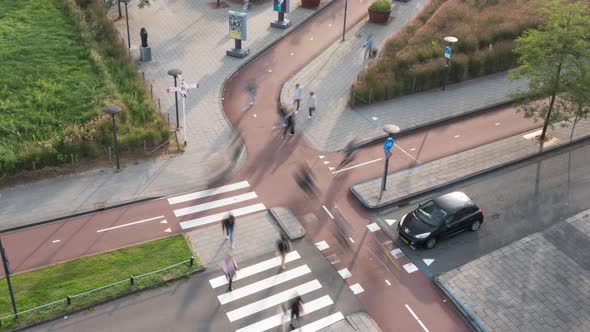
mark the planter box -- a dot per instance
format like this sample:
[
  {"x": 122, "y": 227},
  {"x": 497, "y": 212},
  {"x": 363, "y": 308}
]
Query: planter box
[
  {"x": 310, "y": 3},
  {"x": 379, "y": 17}
]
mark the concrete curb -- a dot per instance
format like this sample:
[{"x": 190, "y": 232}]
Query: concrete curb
[
  {"x": 467, "y": 177},
  {"x": 288, "y": 222},
  {"x": 352, "y": 317},
  {"x": 153, "y": 286},
  {"x": 469, "y": 318}
]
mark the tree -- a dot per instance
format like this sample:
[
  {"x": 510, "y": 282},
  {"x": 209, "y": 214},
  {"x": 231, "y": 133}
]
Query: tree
[{"x": 555, "y": 59}]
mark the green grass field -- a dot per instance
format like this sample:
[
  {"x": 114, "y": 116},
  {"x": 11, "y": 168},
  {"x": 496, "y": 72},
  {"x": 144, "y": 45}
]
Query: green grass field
[
  {"x": 47, "y": 78},
  {"x": 56, "y": 282}
]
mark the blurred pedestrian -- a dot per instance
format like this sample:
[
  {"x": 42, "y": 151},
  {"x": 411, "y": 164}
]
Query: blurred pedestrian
[
  {"x": 311, "y": 103},
  {"x": 229, "y": 269},
  {"x": 306, "y": 181},
  {"x": 246, "y": 6},
  {"x": 368, "y": 45},
  {"x": 228, "y": 226},
  {"x": 296, "y": 311},
  {"x": 349, "y": 152},
  {"x": 297, "y": 97},
  {"x": 283, "y": 247},
  {"x": 289, "y": 124}
]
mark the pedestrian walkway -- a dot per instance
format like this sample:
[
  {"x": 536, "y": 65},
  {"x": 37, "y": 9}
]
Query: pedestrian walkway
[
  {"x": 188, "y": 35},
  {"x": 403, "y": 185},
  {"x": 332, "y": 74}
]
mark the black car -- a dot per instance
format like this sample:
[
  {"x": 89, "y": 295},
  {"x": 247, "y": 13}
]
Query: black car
[{"x": 439, "y": 218}]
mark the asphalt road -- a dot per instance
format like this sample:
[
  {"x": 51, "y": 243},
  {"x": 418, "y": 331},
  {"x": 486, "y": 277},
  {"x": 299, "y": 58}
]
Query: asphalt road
[
  {"x": 192, "y": 305},
  {"x": 517, "y": 202}
]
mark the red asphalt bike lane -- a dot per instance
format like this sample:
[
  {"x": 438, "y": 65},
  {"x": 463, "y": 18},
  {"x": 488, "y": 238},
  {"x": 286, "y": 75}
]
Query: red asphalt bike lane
[{"x": 269, "y": 168}]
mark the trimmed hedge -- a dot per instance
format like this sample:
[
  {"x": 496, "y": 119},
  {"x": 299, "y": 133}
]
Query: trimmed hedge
[{"x": 413, "y": 60}]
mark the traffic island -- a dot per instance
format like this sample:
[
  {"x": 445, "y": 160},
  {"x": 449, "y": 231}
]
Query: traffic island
[
  {"x": 288, "y": 222},
  {"x": 442, "y": 173}
]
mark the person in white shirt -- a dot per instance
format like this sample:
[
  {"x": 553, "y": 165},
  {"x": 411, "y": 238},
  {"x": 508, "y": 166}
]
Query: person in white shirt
[
  {"x": 297, "y": 97},
  {"x": 311, "y": 103}
]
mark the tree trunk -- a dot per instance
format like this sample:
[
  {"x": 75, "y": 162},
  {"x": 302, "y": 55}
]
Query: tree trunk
[{"x": 551, "y": 103}]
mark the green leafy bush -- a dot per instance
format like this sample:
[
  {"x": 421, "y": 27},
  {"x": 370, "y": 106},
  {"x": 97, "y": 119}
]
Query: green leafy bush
[{"x": 381, "y": 5}]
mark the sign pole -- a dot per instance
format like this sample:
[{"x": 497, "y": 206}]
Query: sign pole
[
  {"x": 7, "y": 274},
  {"x": 387, "y": 148}
]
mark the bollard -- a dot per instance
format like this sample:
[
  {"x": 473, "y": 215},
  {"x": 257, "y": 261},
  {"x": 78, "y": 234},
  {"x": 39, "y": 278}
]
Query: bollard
[
  {"x": 143, "y": 76},
  {"x": 68, "y": 300},
  {"x": 152, "y": 91},
  {"x": 191, "y": 261},
  {"x": 132, "y": 280}
]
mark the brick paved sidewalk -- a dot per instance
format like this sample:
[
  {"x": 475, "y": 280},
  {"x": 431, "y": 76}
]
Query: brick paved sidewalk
[
  {"x": 185, "y": 34},
  {"x": 332, "y": 73},
  {"x": 539, "y": 283},
  {"x": 445, "y": 171}
]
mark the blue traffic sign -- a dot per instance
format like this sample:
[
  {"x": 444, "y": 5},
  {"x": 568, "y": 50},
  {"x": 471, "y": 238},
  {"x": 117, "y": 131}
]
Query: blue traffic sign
[
  {"x": 448, "y": 52},
  {"x": 388, "y": 144}
]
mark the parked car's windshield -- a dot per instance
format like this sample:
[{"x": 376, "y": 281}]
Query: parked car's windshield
[{"x": 431, "y": 214}]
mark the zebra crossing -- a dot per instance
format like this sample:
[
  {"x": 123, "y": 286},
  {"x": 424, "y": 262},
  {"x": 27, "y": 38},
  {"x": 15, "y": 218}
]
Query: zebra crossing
[
  {"x": 261, "y": 290},
  {"x": 199, "y": 206}
]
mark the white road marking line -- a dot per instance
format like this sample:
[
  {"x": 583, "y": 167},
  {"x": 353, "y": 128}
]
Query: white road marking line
[
  {"x": 163, "y": 221},
  {"x": 326, "y": 162},
  {"x": 208, "y": 192},
  {"x": 254, "y": 114},
  {"x": 428, "y": 261},
  {"x": 168, "y": 230},
  {"x": 351, "y": 240},
  {"x": 254, "y": 269},
  {"x": 344, "y": 273},
  {"x": 292, "y": 53},
  {"x": 273, "y": 300},
  {"x": 215, "y": 204},
  {"x": 416, "y": 318},
  {"x": 407, "y": 154},
  {"x": 330, "y": 24},
  {"x": 322, "y": 245},
  {"x": 331, "y": 168},
  {"x": 373, "y": 227},
  {"x": 269, "y": 70},
  {"x": 356, "y": 288},
  {"x": 413, "y": 149},
  {"x": 322, "y": 157},
  {"x": 219, "y": 216},
  {"x": 321, "y": 323},
  {"x": 277, "y": 320},
  {"x": 410, "y": 268},
  {"x": 456, "y": 136},
  {"x": 129, "y": 224},
  {"x": 328, "y": 212},
  {"x": 497, "y": 123},
  {"x": 387, "y": 282},
  {"x": 55, "y": 241},
  {"x": 263, "y": 284},
  {"x": 390, "y": 222},
  {"x": 355, "y": 166},
  {"x": 397, "y": 253},
  {"x": 311, "y": 38}
]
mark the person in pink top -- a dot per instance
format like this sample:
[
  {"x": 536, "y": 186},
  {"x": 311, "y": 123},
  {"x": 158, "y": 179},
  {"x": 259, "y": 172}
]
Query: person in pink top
[{"x": 229, "y": 269}]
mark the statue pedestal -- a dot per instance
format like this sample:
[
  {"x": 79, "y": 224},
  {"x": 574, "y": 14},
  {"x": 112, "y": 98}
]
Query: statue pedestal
[{"x": 145, "y": 54}]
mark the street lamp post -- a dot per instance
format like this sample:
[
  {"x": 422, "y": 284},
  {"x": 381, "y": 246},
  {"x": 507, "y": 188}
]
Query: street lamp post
[
  {"x": 450, "y": 41},
  {"x": 127, "y": 20},
  {"x": 112, "y": 110},
  {"x": 174, "y": 73},
  {"x": 344, "y": 24},
  {"x": 390, "y": 130}
]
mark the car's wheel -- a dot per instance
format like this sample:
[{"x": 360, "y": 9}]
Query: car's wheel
[
  {"x": 431, "y": 243},
  {"x": 475, "y": 225}
]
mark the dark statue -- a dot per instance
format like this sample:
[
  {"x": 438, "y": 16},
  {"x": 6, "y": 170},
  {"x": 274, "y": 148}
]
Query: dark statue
[{"x": 144, "y": 36}]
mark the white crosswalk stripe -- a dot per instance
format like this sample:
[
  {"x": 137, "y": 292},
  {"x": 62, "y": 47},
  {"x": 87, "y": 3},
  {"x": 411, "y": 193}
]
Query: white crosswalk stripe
[
  {"x": 259, "y": 291},
  {"x": 199, "y": 209}
]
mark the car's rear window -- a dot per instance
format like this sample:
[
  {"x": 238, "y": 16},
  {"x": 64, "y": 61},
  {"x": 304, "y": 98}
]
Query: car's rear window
[{"x": 431, "y": 214}]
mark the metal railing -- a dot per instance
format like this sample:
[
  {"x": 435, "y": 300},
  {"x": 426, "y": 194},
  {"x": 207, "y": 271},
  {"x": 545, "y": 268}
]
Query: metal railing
[{"x": 110, "y": 291}]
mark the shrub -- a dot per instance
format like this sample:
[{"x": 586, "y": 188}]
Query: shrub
[
  {"x": 412, "y": 60},
  {"x": 380, "y": 5}
]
